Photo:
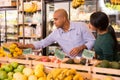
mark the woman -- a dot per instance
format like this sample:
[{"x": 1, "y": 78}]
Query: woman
[{"x": 106, "y": 43}]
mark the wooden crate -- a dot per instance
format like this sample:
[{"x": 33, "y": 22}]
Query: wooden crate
[
  {"x": 103, "y": 72},
  {"x": 46, "y": 64},
  {"x": 4, "y": 59},
  {"x": 77, "y": 67},
  {"x": 27, "y": 63}
]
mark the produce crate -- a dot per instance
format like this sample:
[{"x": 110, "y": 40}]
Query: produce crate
[
  {"x": 46, "y": 64},
  {"x": 29, "y": 56},
  {"x": 4, "y": 59},
  {"x": 78, "y": 67},
  {"x": 103, "y": 72},
  {"x": 27, "y": 63},
  {"x": 86, "y": 76}
]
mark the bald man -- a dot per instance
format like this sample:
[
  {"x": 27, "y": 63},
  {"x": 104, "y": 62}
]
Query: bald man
[{"x": 73, "y": 37}]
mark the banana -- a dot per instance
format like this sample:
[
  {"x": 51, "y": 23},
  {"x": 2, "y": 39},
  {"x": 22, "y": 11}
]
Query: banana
[
  {"x": 62, "y": 74},
  {"x": 28, "y": 6},
  {"x": 70, "y": 77},
  {"x": 78, "y": 77},
  {"x": 71, "y": 72},
  {"x": 74, "y": 4},
  {"x": 35, "y": 7},
  {"x": 54, "y": 73},
  {"x": 77, "y": 3},
  {"x": 50, "y": 77}
]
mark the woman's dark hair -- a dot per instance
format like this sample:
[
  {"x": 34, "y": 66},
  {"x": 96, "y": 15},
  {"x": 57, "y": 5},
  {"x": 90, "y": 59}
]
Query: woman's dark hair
[
  {"x": 112, "y": 32},
  {"x": 100, "y": 20}
]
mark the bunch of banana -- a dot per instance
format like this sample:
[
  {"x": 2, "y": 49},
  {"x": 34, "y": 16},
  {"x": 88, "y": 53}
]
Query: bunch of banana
[
  {"x": 115, "y": 1},
  {"x": 29, "y": 6},
  {"x": 64, "y": 74},
  {"x": 35, "y": 7},
  {"x": 77, "y": 3}
]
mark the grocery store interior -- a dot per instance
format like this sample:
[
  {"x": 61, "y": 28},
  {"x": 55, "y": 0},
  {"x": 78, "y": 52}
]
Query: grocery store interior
[
  {"x": 36, "y": 23},
  {"x": 27, "y": 21}
]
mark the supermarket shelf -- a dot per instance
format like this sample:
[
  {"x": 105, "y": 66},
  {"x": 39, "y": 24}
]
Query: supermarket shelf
[
  {"x": 7, "y": 8},
  {"x": 12, "y": 33},
  {"x": 27, "y": 24},
  {"x": 28, "y": 37}
]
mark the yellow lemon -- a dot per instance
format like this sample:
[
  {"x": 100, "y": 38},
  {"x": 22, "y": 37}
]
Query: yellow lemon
[
  {"x": 17, "y": 49},
  {"x": 42, "y": 78},
  {"x": 13, "y": 46},
  {"x": 39, "y": 73},
  {"x": 15, "y": 54},
  {"x": 108, "y": 78}
]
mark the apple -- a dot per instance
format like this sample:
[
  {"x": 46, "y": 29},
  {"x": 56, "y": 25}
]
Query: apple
[
  {"x": 20, "y": 68},
  {"x": 8, "y": 68},
  {"x": 14, "y": 64},
  {"x": 44, "y": 59}
]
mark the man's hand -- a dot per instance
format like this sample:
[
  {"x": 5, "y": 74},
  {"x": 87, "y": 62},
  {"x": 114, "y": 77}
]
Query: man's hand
[
  {"x": 22, "y": 46},
  {"x": 75, "y": 51},
  {"x": 30, "y": 46}
]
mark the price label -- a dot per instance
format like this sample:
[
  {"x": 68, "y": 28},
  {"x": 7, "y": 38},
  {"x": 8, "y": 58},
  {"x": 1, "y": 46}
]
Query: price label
[
  {"x": 27, "y": 51},
  {"x": 6, "y": 50},
  {"x": 59, "y": 54},
  {"x": 88, "y": 54}
]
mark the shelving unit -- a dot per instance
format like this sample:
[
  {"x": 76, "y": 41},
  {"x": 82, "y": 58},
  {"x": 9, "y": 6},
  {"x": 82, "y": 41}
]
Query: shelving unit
[
  {"x": 29, "y": 24},
  {"x": 8, "y": 30}
]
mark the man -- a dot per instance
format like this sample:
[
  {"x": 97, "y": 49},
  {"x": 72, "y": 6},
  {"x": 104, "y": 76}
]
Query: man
[{"x": 73, "y": 37}]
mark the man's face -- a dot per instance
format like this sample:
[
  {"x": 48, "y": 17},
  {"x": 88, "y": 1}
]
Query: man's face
[
  {"x": 92, "y": 27},
  {"x": 58, "y": 20}
]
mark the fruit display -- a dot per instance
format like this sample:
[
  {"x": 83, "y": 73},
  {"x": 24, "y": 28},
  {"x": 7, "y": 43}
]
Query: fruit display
[
  {"x": 49, "y": 59},
  {"x": 16, "y": 71},
  {"x": 10, "y": 50},
  {"x": 112, "y": 6},
  {"x": 77, "y": 3},
  {"x": 64, "y": 74},
  {"x": 108, "y": 64},
  {"x": 115, "y": 1}
]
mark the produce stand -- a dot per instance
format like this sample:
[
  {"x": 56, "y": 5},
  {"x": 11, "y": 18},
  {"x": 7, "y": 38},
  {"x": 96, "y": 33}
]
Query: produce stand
[{"x": 88, "y": 72}]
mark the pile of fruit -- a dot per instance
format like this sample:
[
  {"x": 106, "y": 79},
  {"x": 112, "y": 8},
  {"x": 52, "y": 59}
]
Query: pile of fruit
[
  {"x": 113, "y": 5},
  {"x": 49, "y": 59},
  {"x": 64, "y": 74},
  {"x": 115, "y": 1},
  {"x": 16, "y": 71},
  {"x": 10, "y": 50},
  {"x": 108, "y": 64},
  {"x": 77, "y": 3},
  {"x": 7, "y": 71}
]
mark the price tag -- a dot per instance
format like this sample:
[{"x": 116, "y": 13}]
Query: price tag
[
  {"x": 27, "y": 51},
  {"x": 59, "y": 54},
  {"x": 6, "y": 50},
  {"x": 88, "y": 54}
]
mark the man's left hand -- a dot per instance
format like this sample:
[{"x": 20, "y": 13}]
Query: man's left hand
[{"x": 75, "y": 51}]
